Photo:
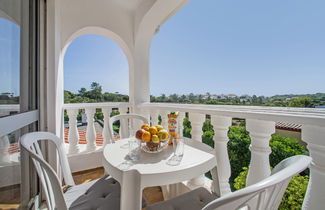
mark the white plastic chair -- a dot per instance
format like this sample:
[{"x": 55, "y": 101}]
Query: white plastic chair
[
  {"x": 264, "y": 195},
  {"x": 125, "y": 124},
  {"x": 98, "y": 194}
]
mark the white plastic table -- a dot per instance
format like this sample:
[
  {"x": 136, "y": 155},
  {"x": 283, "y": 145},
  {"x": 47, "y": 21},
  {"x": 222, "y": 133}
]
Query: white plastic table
[{"x": 152, "y": 170}]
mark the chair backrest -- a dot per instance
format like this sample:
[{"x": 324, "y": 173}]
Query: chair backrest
[
  {"x": 49, "y": 179},
  {"x": 125, "y": 124},
  {"x": 266, "y": 194}
]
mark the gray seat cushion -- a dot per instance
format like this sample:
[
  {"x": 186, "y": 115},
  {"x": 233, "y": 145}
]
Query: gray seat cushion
[
  {"x": 193, "y": 200},
  {"x": 103, "y": 193}
]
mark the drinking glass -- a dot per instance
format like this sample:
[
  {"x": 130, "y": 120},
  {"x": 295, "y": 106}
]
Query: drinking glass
[
  {"x": 178, "y": 147},
  {"x": 131, "y": 135},
  {"x": 134, "y": 147}
]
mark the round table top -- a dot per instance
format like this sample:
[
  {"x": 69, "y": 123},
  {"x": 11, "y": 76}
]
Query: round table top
[{"x": 198, "y": 158}]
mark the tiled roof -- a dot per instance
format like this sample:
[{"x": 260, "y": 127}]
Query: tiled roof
[
  {"x": 13, "y": 148},
  {"x": 288, "y": 126},
  {"x": 82, "y": 137}
]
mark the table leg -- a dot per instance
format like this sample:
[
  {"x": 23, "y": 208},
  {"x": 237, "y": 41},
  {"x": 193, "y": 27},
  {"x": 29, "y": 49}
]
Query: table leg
[{"x": 131, "y": 191}]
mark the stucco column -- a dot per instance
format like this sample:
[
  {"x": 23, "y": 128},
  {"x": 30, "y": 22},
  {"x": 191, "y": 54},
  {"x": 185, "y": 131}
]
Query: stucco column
[
  {"x": 315, "y": 137},
  {"x": 140, "y": 76}
]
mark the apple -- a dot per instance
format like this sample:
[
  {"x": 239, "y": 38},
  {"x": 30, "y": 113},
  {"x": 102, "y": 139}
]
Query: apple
[{"x": 139, "y": 134}]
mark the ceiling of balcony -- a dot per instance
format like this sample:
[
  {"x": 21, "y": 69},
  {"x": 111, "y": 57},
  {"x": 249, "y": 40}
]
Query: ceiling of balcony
[{"x": 129, "y": 4}]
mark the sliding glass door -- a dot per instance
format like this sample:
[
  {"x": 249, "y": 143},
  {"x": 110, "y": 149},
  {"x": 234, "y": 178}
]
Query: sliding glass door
[{"x": 20, "y": 44}]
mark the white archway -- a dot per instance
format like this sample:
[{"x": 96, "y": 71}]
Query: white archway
[{"x": 102, "y": 32}]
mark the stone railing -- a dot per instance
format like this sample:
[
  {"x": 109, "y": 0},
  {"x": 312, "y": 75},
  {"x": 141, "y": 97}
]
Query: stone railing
[
  {"x": 88, "y": 111},
  {"x": 260, "y": 122}
]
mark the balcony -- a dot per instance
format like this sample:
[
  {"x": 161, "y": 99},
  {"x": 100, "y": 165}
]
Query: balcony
[
  {"x": 260, "y": 122},
  {"x": 42, "y": 40}
]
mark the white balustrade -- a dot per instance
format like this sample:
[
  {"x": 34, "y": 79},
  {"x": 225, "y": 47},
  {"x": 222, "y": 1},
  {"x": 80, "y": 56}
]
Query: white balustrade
[
  {"x": 4, "y": 150},
  {"x": 260, "y": 132},
  {"x": 90, "y": 132},
  {"x": 89, "y": 110},
  {"x": 197, "y": 121},
  {"x": 106, "y": 113},
  {"x": 260, "y": 122},
  {"x": 73, "y": 131},
  {"x": 221, "y": 126},
  {"x": 315, "y": 137}
]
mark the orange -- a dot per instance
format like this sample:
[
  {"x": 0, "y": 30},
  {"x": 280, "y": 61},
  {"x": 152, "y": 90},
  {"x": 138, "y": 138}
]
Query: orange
[
  {"x": 153, "y": 130},
  {"x": 145, "y": 125},
  {"x": 146, "y": 136}
]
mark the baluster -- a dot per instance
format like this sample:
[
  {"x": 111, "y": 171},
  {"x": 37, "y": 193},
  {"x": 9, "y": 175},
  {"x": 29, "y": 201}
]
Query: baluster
[
  {"x": 91, "y": 132},
  {"x": 315, "y": 137},
  {"x": 221, "y": 126},
  {"x": 260, "y": 132},
  {"x": 106, "y": 137},
  {"x": 164, "y": 119},
  {"x": 154, "y": 117},
  {"x": 73, "y": 131},
  {"x": 196, "y": 133},
  {"x": 4, "y": 150},
  {"x": 124, "y": 125}
]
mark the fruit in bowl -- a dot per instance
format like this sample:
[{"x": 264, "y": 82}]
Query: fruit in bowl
[{"x": 153, "y": 138}]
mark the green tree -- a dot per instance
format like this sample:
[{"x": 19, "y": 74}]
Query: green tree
[
  {"x": 96, "y": 92},
  {"x": 301, "y": 102},
  {"x": 83, "y": 92}
]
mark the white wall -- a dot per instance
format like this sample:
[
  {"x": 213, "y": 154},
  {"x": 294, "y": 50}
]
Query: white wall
[{"x": 131, "y": 26}]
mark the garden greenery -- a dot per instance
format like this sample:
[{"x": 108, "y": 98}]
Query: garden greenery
[
  {"x": 293, "y": 196},
  {"x": 239, "y": 156}
]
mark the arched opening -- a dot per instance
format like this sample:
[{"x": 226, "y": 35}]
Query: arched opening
[{"x": 96, "y": 70}]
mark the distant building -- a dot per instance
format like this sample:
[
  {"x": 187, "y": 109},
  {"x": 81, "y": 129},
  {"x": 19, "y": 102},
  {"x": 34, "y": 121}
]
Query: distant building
[
  {"x": 232, "y": 96},
  {"x": 10, "y": 95},
  {"x": 320, "y": 107}
]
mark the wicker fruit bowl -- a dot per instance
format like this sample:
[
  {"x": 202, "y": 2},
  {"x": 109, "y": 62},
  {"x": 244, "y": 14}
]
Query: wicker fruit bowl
[{"x": 153, "y": 138}]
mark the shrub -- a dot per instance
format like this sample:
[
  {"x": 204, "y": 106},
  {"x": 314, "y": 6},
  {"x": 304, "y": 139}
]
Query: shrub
[
  {"x": 293, "y": 196},
  {"x": 283, "y": 147},
  {"x": 187, "y": 128},
  {"x": 238, "y": 150},
  {"x": 238, "y": 147},
  {"x": 208, "y": 133}
]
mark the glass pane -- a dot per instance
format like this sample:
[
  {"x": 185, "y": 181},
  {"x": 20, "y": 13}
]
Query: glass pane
[
  {"x": 10, "y": 170},
  {"x": 18, "y": 85},
  {"x": 9, "y": 57}
]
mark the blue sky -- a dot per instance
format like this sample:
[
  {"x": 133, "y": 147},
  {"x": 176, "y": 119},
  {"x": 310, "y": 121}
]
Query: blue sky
[
  {"x": 9, "y": 57},
  {"x": 225, "y": 46},
  {"x": 95, "y": 58}
]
